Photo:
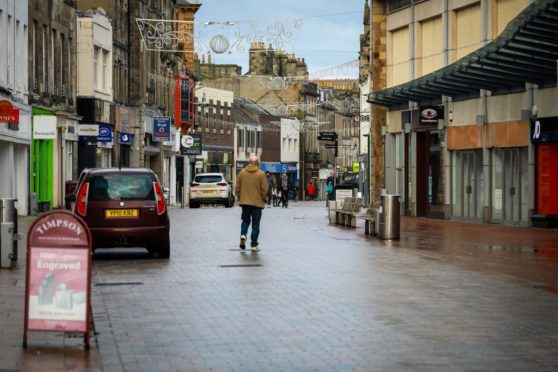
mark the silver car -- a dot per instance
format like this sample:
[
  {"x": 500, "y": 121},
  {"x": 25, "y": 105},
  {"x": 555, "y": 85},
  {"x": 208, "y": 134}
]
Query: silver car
[{"x": 211, "y": 188}]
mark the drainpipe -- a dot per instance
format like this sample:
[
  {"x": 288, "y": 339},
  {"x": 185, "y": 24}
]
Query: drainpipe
[{"x": 445, "y": 33}]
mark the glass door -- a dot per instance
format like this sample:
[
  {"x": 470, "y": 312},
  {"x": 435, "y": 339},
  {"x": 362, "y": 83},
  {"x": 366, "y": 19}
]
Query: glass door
[{"x": 509, "y": 169}]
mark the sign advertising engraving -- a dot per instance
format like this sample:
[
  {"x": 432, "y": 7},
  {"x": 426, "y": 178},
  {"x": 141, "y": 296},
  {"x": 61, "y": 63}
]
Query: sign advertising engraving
[
  {"x": 58, "y": 275},
  {"x": 191, "y": 144}
]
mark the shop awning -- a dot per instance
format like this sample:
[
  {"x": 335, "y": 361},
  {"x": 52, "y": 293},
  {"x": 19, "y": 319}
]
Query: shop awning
[{"x": 525, "y": 52}]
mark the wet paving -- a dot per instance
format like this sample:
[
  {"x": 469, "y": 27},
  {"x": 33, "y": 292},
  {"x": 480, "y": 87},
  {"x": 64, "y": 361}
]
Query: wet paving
[{"x": 447, "y": 296}]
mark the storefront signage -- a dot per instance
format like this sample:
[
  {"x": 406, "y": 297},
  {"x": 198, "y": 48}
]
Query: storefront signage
[
  {"x": 125, "y": 138},
  {"x": 44, "y": 127},
  {"x": 58, "y": 275},
  {"x": 88, "y": 130},
  {"x": 429, "y": 115},
  {"x": 191, "y": 144},
  {"x": 356, "y": 167},
  {"x": 71, "y": 132},
  {"x": 161, "y": 128},
  {"x": 544, "y": 130},
  {"x": 105, "y": 133},
  {"x": 327, "y": 136},
  {"x": 8, "y": 114}
]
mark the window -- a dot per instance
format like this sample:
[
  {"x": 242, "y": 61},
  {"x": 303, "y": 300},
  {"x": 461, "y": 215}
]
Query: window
[
  {"x": 96, "y": 66},
  {"x": 104, "y": 76},
  {"x": 467, "y": 37},
  {"x": 240, "y": 134},
  {"x": 9, "y": 45},
  {"x": 399, "y": 57},
  {"x": 430, "y": 46},
  {"x": 44, "y": 56},
  {"x": 259, "y": 139}
]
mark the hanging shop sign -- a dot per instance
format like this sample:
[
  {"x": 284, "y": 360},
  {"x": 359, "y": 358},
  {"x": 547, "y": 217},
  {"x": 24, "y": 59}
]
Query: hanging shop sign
[
  {"x": 8, "y": 114},
  {"x": 544, "y": 130},
  {"x": 191, "y": 144},
  {"x": 429, "y": 115},
  {"x": 88, "y": 130},
  {"x": 161, "y": 128},
  {"x": 44, "y": 127},
  {"x": 58, "y": 275},
  {"x": 125, "y": 138},
  {"x": 71, "y": 132},
  {"x": 105, "y": 133}
]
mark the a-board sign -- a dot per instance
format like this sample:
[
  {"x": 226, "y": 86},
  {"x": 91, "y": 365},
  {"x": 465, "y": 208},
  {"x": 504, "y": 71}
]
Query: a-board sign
[{"x": 58, "y": 275}]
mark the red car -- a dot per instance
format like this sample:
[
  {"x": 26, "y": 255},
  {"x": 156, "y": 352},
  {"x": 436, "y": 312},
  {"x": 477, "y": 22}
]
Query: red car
[{"x": 124, "y": 207}]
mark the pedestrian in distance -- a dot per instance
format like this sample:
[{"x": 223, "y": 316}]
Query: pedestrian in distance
[
  {"x": 275, "y": 194},
  {"x": 329, "y": 192},
  {"x": 284, "y": 190},
  {"x": 269, "y": 188},
  {"x": 310, "y": 190},
  {"x": 251, "y": 190}
]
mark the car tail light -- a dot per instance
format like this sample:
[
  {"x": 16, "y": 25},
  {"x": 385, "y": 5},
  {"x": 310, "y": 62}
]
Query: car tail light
[
  {"x": 222, "y": 184},
  {"x": 81, "y": 204},
  {"x": 194, "y": 184},
  {"x": 159, "y": 198}
]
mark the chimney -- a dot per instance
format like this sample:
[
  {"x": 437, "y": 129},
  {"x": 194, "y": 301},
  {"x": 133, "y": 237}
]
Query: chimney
[
  {"x": 203, "y": 58},
  {"x": 208, "y": 58},
  {"x": 270, "y": 46}
]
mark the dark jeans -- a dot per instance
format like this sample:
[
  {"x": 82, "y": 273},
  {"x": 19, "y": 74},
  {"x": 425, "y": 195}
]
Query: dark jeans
[
  {"x": 284, "y": 198},
  {"x": 251, "y": 214}
]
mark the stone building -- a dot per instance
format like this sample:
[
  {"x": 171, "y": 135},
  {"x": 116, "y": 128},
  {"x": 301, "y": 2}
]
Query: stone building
[
  {"x": 15, "y": 112},
  {"x": 52, "y": 79},
  {"x": 469, "y": 92}
]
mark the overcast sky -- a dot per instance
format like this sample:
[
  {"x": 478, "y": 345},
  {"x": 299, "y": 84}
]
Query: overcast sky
[{"x": 329, "y": 35}]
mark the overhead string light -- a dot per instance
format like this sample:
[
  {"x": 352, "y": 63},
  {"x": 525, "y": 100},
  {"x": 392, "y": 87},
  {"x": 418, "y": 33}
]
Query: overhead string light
[{"x": 221, "y": 37}]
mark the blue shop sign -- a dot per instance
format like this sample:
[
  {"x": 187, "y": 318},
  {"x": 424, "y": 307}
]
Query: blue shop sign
[
  {"x": 125, "y": 138},
  {"x": 161, "y": 128},
  {"x": 105, "y": 133},
  {"x": 278, "y": 167}
]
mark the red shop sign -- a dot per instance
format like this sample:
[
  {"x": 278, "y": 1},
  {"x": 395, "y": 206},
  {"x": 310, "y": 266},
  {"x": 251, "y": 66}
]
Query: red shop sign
[
  {"x": 8, "y": 114},
  {"x": 58, "y": 275}
]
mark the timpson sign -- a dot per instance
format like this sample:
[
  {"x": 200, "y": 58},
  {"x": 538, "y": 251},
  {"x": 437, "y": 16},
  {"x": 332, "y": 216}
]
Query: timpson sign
[{"x": 58, "y": 275}]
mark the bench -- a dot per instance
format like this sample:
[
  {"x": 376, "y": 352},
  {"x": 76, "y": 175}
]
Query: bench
[
  {"x": 347, "y": 214},
  {"x": 369, "y": 223}
]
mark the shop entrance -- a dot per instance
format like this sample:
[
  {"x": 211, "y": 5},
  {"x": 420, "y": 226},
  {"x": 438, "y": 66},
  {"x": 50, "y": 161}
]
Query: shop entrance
[
  {"x": 179, "y": 178},
  {"x": 467, "y": 192},
  {"x": 510, "y": 173},
  {"x": 430, "y": 192}
]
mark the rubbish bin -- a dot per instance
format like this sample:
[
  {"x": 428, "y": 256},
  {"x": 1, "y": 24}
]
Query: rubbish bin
[
  {"x": 8, "y": 226},
  {"x": 389, "y": 217}
]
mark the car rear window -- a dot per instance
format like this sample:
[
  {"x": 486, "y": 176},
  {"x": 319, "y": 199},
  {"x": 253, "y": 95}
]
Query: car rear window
[
  {"x": 121, "y": 187},
  {"x": 208, "y": 179}
]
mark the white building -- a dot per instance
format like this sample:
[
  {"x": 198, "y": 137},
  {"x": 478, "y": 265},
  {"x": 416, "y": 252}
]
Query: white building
[
  {"x": 94, "y": 87},
  {"x": 15, "y": 133},
  {"x": 290, "y": 140}
]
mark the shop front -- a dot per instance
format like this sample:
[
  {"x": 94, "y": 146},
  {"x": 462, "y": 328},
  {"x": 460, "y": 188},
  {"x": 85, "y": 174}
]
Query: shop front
[
  {"x": 15, "y": 138},
  {"x": 544, "y": 136}
]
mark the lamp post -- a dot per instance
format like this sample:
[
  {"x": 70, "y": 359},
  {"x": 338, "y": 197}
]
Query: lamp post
[{"x": 368, "y": 168}]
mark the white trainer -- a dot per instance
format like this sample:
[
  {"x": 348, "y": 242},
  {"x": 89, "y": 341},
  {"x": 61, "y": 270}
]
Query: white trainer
[{"x": 243, "y": 241}]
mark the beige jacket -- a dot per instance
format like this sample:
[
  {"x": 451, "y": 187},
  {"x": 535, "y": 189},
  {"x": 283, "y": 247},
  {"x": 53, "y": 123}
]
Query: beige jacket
[{"x": 251, "y": 186}]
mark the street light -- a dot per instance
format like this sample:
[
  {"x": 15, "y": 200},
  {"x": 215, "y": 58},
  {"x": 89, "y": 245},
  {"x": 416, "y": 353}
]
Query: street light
[{"x": 368, "y": 167}]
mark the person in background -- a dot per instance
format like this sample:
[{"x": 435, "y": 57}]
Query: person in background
[
  {"x": 251, "y": 190},
  {"x": 275, "y": 195},
  {"x": 269, "y": 188},
  {"x": 310, "y": 190},
  {"x": 284, "y": 190},
  {"x": 329, "y": 192}
]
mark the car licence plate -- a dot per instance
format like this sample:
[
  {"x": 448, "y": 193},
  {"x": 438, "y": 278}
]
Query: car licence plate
[
  {"x": 119, "y": 213},
  {"x": 208, "y": 191}
]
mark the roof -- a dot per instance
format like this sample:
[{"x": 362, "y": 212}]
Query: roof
[
  {"x": 525, "y": 52},
  {"x": 94, "y": 171}
]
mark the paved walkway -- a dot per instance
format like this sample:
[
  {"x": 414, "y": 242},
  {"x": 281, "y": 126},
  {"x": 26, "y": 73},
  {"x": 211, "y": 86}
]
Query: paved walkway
[{"x": 447, "y": 296}]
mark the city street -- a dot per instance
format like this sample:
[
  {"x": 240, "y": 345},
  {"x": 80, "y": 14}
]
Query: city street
[{"x": 321, "y": 297}]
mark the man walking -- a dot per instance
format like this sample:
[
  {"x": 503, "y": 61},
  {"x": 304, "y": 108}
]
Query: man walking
[
  {"x": 285, "y": 190},
  {"x": 251, "y": 189},
  {"x": 269, "y": 187}
]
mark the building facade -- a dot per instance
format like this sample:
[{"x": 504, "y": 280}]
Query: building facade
[
  {"x": 52, "y": 78},
  {"x": 469, "y": 91},
  {"x": 15, "y": 112}
]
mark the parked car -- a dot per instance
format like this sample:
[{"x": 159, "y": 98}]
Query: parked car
[
  {"x": 73, "y": 189},
  {"x": 211, "y": 188},
  {"x": 124, "y": 207}
]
